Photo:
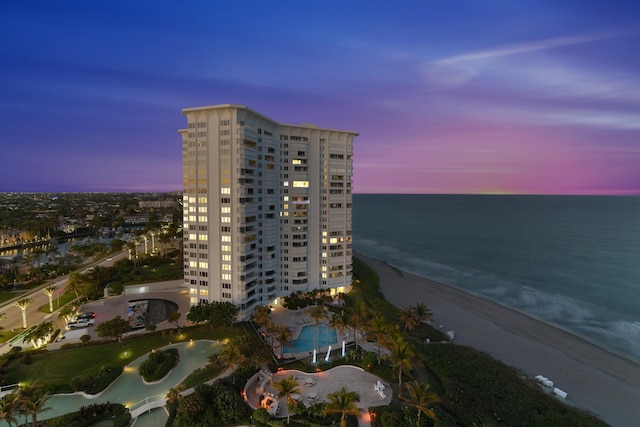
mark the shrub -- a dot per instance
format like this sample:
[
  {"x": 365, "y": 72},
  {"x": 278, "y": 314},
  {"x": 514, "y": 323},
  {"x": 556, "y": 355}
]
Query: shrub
[
  {"x": 85, "y": 338},
  {"x": 158, "y": 364}
]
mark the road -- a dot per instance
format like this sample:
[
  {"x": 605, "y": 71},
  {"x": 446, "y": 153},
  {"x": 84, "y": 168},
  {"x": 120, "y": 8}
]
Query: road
[{"x": 13, "y": 314}]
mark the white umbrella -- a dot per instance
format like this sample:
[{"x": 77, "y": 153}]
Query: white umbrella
[
  {"x": 343, "y": 348},
  {"x": 314, "y": 357},
  {"x": 326, "y": 359}
]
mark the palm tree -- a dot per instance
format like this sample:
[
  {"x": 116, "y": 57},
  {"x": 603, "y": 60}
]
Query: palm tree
[
  {"x": 261, "y": 315},
  {"x": 420, "y": 397},
  {"x": 173, "y": 395},
  {"x": 9, "y": 406},
  {"x": 337, "y": 322},
  {"x": 283, "y": 335},
  {"x": 67, "y": 312},
  {"x": 40, "y": 335},
  {"x": 22, "y": 304},
  {"x": 33, "y": 398},
  {"x": 286, "y": 387},
  {"x": 423, "y": 312},
  {"x": 316, "y": 313},
  {"x": 343, "y": 402},
  {"x": 230, "y": 355},
  {"x": 378, "y": 327},
  {"x": 75, "y": 284},
  {"x": 401, "y": 358},
  {"x": 49, "y": 291},
  {"x": 409, "y": 317},
  {"x": 355, "y": 319},
  {"x": 174, "y": 317}
]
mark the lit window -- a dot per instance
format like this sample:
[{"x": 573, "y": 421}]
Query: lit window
[
  {"x": 226, "y": 257},
  {"x": 203, "y": 237},
  {"x": 203, "y": 264},
  {"x": 225, "y": 248},
  {"x": 225, "y": 209},
  {"x": 193, "y": 264},
  {"x": 192, "y": 218},
  {"x": 193, "y": 300},
  {"x": 301, "y": 184},
  {"x": 202, "y": 218},
  {"x": 204, "y": 292},
  {"x": 225, "y": 219},
  {"x": 226, "y": 238},
  {"x": 226, "y": 276},
  {"x": 202, "y": 200},
  {"x": 192, "y": 236},
  {"x": 226, "y": 267},
  {"x": 225, "y": 190},
  {"x": 324, "y": 254},
  {"x": 286, "y": 183},
  {"x": 193, "y": 291}
]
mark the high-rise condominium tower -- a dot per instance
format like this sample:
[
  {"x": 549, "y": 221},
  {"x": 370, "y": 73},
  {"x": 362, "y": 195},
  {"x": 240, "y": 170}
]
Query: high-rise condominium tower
[{"x": 267, "y": 207}]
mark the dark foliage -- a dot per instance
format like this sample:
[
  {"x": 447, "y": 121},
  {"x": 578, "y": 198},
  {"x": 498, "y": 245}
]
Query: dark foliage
[{"x": 158, "y": 364}]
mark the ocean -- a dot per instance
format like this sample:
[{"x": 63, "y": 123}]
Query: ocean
[{"x": 571, "y": 261}]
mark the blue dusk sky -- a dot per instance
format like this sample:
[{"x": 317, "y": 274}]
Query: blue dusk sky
[{"x": 476, "y": 96}]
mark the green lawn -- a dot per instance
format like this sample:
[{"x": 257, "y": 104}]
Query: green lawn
[{"x": 57, "y": 368}]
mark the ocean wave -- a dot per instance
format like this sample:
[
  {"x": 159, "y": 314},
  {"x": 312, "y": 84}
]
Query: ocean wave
[{"x": 623, "y": 336}]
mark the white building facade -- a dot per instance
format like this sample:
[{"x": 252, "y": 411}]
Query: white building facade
[{"x": 267, "y": 207}]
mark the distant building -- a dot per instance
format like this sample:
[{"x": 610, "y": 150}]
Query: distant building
[
  {"x": 267, "y": 207},
  {"x": 157, "y": 204}
]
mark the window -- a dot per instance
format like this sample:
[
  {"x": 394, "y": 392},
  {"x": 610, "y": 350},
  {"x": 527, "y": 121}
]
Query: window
[
  {"x": 226, "y": 276},
  {"x": 225, "y": 209},
  {"x": 226, "y": 286},
  {"x": 226, "y": 238},
  {"x": 299, "y": 184}
]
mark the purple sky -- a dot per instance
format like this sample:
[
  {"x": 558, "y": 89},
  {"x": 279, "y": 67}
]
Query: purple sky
[{"x": 495, "y": 96}]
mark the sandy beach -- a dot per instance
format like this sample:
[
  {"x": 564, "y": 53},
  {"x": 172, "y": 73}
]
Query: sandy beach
[{"x": 595, "y": 379}]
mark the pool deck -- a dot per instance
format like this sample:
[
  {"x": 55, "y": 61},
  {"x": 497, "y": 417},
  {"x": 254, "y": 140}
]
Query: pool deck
[{"x": 314, "y": 387}]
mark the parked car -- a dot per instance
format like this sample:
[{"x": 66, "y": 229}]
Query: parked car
[
  {"x": 81, "y": 323},
  {"x": 89, "y": 315}
]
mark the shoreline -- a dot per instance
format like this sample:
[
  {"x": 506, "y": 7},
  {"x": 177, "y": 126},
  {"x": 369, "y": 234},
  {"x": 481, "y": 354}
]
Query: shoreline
[{"x": 596, "y": 379}]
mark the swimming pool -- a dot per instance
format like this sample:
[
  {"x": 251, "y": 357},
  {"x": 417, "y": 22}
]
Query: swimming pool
[{"x": 326, "y": 336}]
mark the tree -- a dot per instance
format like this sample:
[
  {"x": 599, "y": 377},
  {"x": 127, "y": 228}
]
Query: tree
[
  {"x": 401, "y": 359},
  {"x": 40, "y": 335},
  {"x": 9, "y": 406},
  {"x": 22, "y": 304},
  {"x": 343, "y": 402},
  {"x": 378, "y": 327},
  {"x": 283, "y": 335},
  {"x": 113, "y": 328},
  {"x": 173, "y": 317},
  {"x": 173, "y": 395},
  {"x": 424, "y": 314},
  {"x": 215, "y": 313},
  {"x": 49, "y": 291},
  {"x": 409, "y": 317},
  {"x": 316, "y": 314},
  {"x": 286, "y": 387},
  {"x": 75, "y": 284},
  {"x": 67, "y": 312},
  {"x": 337, "y": 322},
  {"x": 33, "y": 398},
  {"x": 230, "y": 355},
  {"x": 420, "y": 397},
  {"x": 261, "y": 315}
]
